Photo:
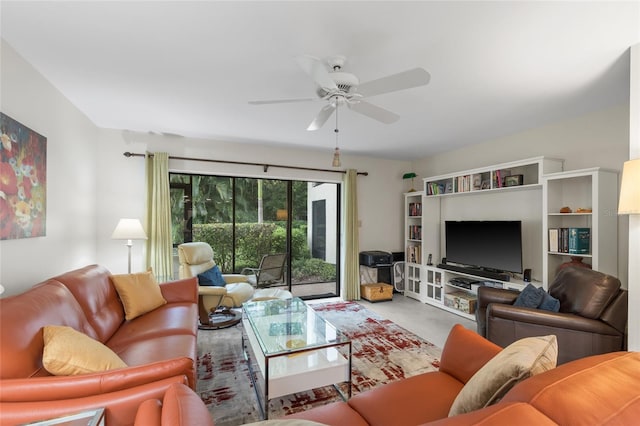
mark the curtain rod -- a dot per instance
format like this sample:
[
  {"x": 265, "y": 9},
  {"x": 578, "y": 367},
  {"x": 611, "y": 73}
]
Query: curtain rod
[{"x": 265, "y": 166}]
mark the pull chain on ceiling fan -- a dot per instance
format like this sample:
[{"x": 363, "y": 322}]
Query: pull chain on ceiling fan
[{"x": 336, "y": 153}]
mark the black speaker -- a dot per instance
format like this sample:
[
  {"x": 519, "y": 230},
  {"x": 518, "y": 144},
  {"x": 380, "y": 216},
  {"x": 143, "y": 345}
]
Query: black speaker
[{"x": 527, "y": 276}]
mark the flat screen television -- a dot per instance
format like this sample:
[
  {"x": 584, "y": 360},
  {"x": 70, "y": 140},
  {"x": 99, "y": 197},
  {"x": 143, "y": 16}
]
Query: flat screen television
[{"x": 491, "y": 245}]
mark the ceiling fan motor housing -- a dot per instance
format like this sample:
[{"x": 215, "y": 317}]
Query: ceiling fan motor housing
[{"x": 345, "y": 81}]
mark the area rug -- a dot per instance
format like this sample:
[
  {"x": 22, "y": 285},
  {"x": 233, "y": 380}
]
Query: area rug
[{"x": 382, "y": 352}]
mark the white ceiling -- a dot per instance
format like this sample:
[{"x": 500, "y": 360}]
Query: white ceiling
[{"x": 189, "y": 68}]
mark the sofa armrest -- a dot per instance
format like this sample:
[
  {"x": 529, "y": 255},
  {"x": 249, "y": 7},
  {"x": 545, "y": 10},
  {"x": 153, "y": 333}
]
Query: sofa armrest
[
  {"x": 181, "y": 406},
  {"x": 465, "y": 352},
  {"x": 488, "y": 295},
  {"x": 120, "y": 406},
  {"x": 553, "y": 320},
  {"x": 53, "y": 388},
  {"x": 184, "y": 290}
]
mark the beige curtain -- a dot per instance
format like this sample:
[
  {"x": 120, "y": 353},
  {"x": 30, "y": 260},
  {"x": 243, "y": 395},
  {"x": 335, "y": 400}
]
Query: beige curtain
[
  {"x": 159, "y": 242},
  {"x": 352, "y": 246}
]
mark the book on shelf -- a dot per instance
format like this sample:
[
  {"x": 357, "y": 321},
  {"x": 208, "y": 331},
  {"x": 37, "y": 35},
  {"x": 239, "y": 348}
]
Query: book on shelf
[
  {"x": 415, "y": 232},
  {"x": 570, "y": 240},
  {"x": 414, "y": 254},
  {"x": 553, "y": 240},
  {"x": 579, "y": 240},
  {"x": 415, "y": 209}
]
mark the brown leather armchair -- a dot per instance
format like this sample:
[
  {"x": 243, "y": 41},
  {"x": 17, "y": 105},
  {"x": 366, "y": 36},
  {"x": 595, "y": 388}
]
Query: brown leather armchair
[{"x": 592, "y": 317}]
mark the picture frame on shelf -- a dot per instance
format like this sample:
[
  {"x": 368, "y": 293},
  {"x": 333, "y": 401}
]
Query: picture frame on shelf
[
  {"x": 513, "y": 180},
  {"x": 485, "y": 184}
]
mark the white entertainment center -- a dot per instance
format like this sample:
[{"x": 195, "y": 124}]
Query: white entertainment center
[{"x": 531, "y": 191}]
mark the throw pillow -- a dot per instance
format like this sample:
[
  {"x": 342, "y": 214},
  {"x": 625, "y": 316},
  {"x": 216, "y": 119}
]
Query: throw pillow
[
  {"x": 68, "y": 352},
  {"x": 530, "y": 297},
  {"x": 536, "y": 297},
  {"x": 140, "y": 293},
  {"x": 549, "y": 303},
  {"x": 518, "y": 361},
  {"x": 212, "y": 276}
]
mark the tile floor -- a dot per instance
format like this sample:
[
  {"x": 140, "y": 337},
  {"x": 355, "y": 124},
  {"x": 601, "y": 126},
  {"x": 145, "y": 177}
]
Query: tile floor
[{"x": 428, "y": 322}]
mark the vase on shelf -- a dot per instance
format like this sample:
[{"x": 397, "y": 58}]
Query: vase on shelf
[{"x": 575, "y": 261}]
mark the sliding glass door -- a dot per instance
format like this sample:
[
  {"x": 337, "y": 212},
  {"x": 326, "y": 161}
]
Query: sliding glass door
[{"x": 244, "y": 219}]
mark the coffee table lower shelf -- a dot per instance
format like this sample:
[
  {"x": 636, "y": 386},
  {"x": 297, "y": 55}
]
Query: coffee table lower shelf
[{"x": 287, "y": 373}]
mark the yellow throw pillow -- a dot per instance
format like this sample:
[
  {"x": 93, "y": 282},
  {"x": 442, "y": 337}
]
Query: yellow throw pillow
[
  {"x": 68, "y": 352},
  {"x": 140, "y": 293},
  {"x": 518, "y": 361}
]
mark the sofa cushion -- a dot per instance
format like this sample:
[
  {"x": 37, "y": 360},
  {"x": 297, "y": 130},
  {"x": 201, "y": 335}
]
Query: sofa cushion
[
  {"x": 140, "y": 293},
  {"x": 595, "y": 390},
  {"x": 518, "y": 361},
  {"x": 211, "y": 277},
  {"x": 94, "y": 291},
  {"x": 21, "y": 320},
  {"x": 68, "y": 352},
  {"x": 583, "y": 291}
]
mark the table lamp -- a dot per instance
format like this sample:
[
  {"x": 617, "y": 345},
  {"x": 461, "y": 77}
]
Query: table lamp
[
  {"x": 129, "y": 229},
  {"x": 410, "y": 175}
]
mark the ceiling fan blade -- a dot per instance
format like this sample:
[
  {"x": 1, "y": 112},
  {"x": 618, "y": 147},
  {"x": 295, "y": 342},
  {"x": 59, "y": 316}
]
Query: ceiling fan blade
[
  {"x": 404, "y": 80},
  {"x": 322, "y": 117},
  {"x": 316, "y": 69},
  {"x": 375, "y": 112},
  {"x": 283, "y": 101}
]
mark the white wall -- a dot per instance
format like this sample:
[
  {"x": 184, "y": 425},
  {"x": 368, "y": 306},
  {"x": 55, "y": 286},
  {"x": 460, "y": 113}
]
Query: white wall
[
  {"x": 71, "y": 179},
  {"x": 595, "y": 140}
]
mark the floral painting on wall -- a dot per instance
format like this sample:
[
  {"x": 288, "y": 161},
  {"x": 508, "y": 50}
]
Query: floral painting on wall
[{"x": 23, "y": 179}]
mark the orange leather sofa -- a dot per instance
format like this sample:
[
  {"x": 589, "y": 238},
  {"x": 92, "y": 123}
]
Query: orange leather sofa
[
  {"x": 180, "y": 406},
  {"x": 159, "y": 347},
  {"x": 597, "y": 390}
]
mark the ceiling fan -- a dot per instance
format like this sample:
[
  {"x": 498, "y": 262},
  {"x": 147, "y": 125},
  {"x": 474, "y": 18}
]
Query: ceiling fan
[{"x": 342, "y": 88}]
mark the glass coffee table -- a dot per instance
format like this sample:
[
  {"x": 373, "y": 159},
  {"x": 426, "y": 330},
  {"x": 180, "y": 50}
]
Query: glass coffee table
[{"x": 290, "y": 348}]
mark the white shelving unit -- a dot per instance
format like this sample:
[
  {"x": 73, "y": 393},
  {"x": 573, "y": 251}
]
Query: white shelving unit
[
  {"x": 516, "y": 187},
  {"x": 592, "y": 196},
  {"x": 413, "y": 245},
  {"x": 506, "y": 176}
]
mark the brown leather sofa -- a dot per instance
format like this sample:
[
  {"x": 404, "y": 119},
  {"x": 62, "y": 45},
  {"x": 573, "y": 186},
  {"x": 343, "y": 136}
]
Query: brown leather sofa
[
  {"x": 158, "y": 347},
  {"x": 592, "y": 317},
  {"x": 596, "y": 390}
]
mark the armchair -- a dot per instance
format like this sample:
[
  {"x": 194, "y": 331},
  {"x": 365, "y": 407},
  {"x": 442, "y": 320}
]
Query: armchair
[
  {"x": 592, "y": 317},
  {"x": 196, "y": 258}
]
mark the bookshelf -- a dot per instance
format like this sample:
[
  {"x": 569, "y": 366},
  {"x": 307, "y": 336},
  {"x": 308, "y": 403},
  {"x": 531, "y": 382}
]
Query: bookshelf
[
  {"x": 506, "y": 191},
  {"x": 592, "y": 197},
  {"x": 505, "y": 176},
  {"x": 413, "y": 245}
]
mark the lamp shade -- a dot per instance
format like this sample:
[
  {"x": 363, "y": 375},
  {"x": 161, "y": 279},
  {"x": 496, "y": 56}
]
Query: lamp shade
[
  {"x": 409, "y": 175},
  {"x": 630, "y": 188},
  {"x": 129, "y": 229}
]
